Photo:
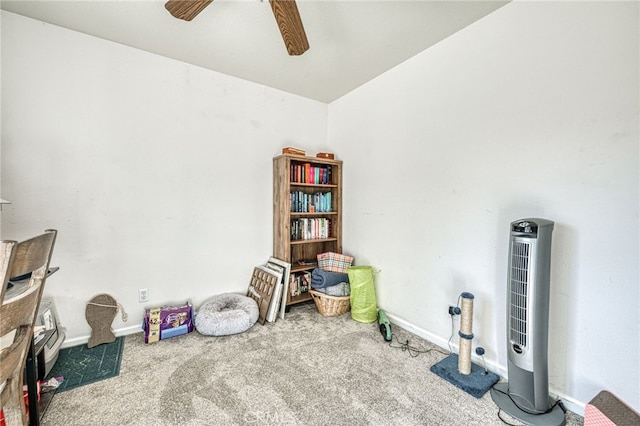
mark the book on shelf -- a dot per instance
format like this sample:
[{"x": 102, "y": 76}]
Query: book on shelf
[
  {"x": 292, "y": 285},
  {"x": 310, "y": 174},
  {"x": 299, "y": 283},
  {"x": 317, "y": 202},
  {"x": 305, "y": 282},
  {"x": 310, "y": 228}
]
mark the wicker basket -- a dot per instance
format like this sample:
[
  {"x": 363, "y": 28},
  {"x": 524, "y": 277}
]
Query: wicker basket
[{"x": 330, "y": 306}]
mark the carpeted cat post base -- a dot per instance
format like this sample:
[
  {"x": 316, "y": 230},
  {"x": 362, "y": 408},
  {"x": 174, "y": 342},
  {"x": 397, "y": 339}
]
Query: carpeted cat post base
[
  {"x": 500, "y": 395},
  {"x": 476, "y": 383}
]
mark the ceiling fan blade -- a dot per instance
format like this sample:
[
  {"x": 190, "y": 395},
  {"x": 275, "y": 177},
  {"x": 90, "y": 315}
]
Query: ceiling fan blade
[
  {"x": 290, "y": 24},
  {"x": 186, "y": 9}
]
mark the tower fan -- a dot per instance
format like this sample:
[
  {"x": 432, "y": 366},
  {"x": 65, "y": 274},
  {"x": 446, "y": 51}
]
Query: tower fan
[{"x": 526, "y": 394}]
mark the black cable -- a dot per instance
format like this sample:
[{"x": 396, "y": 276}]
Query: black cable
[
  {"x": 451, "y": 337},
  {"x": 558, "y": 402},
  {"x": 453, "y": 326},
  {"x": 413, "y": 351}
]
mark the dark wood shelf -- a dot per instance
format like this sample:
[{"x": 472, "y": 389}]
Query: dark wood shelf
[{"x": 301, "y": 298}]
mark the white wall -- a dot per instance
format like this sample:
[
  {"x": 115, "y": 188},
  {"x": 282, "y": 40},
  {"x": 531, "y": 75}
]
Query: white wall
[
  {"x": 157, "y": 174},
  {"x": 530, "y": 112}
]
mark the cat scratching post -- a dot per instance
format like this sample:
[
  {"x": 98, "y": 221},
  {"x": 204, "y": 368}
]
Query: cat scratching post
[
  {"x": 458, "y": 369},
  {"x": 466, "y": 334}
]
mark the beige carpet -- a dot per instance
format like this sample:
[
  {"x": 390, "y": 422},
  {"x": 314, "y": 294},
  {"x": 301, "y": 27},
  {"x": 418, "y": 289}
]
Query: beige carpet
[{"x": 304, "y": 370}]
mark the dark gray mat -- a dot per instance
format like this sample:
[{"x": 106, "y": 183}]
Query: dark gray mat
[
  {"x": 80, "y": 365},
  {"x": 476, "y": 383}
]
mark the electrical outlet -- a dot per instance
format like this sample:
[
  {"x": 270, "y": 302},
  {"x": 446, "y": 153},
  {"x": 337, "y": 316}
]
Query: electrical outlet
[{"x": 143, "y": 295}]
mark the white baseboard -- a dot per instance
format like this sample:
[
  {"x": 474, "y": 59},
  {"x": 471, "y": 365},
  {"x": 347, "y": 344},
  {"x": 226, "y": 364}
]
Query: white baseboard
[
  {"x": 501, "y": 370},
  {"x": 444, "y": 344},
  {"x": 76, "y": 341}
]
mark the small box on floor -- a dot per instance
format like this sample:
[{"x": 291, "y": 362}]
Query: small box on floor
[{"x": 167, "y": 321}]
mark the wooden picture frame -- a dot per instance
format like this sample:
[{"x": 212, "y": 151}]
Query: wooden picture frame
[{"x": 261, "y": 288}]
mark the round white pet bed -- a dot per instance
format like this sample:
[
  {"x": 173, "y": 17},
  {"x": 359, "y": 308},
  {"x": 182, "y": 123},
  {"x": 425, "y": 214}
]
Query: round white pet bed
[{"x": 226, "y": 314}]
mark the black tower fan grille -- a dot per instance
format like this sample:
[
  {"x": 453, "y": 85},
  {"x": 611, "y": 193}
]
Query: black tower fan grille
[{"x": 519, "y": 291}]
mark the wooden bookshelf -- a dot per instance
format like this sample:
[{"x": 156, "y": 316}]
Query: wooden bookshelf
[{"x": 307, "y": 212}]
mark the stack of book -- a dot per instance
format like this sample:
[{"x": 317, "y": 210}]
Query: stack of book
[
  {"x": 308, "y": 173},
  {"x": 310, "y": 228},
  {"x": 318, "y": 202}
]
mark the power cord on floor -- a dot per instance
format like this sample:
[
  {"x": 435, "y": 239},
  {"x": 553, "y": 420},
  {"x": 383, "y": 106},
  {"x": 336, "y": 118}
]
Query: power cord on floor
[
  {"x": 413, "y": 351},
  {"x": 557, "y": 403}
]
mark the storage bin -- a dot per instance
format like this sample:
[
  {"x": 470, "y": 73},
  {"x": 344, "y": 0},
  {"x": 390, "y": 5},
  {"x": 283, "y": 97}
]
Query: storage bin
[{"x": 330, "y": 306}]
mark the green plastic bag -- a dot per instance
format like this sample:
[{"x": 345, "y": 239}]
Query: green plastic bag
[{"x": 363, "y": 294}]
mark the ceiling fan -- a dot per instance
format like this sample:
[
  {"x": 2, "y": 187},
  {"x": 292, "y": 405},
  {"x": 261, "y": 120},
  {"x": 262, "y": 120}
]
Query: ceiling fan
[{"x": 285, "y": 11}]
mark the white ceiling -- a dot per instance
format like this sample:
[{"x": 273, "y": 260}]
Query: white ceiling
[{"x": 351, "y": 41}]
